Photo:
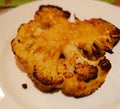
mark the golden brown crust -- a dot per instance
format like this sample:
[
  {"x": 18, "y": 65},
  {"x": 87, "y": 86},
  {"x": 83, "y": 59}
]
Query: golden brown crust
[
  {"x": 49, "y": 15},
  {"x": 62, "y": 55}
]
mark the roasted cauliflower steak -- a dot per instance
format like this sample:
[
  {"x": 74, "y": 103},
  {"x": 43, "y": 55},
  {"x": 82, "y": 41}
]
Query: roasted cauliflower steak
[{"x": 61, "y": 55}]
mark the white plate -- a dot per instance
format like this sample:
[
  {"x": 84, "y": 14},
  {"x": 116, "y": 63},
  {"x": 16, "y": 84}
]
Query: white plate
[{"x": 13, "y": 96}]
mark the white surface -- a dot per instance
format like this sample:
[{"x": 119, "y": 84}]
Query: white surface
[{"x": 13, "y": 96}]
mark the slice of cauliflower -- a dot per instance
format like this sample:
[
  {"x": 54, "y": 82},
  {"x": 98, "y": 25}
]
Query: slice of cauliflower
[{"x": 62, "y": 55}]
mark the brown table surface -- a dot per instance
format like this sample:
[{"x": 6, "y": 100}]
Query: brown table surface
[{"x": 117, "y": 2}]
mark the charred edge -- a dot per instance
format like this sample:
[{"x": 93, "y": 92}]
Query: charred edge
[
  {"x": 46, "y": 81},
  {"x": 116, "y": 32},
  {"x": 12, "y": 47},
  {"x": 14, "y": 52},
  {"x": 75, "y": 17},
  {"x": 12, "y": 41},
  {"x": 107, "y": 49},
  {"x": 115, "y": 35},
  {"x": 51, "y": 6},
  {"x": 105, "y": 64},
  {"x": 116, "y": 39},
  {"x": 34, "y": 74},
  {"x": 36, "y": 77},
  {"x": 43, "y": 81},
  {"x": 103, "y": 20},
  {"x": 66, "y": 13}
]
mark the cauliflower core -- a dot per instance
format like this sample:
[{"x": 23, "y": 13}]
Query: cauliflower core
[{"x": 62, "y": 55}]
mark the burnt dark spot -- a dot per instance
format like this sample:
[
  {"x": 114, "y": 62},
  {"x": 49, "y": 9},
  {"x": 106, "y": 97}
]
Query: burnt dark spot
[
  {"x": 85, "y": 52},
  {"x": 75, "y": 71},
  {"x": 24, "y": 86},
  {"x": 62, "y": 56},
  {"x": 18, "y": 40},
  {"x": 14, "y": 53},
  {"x": 105, "y": 64}
]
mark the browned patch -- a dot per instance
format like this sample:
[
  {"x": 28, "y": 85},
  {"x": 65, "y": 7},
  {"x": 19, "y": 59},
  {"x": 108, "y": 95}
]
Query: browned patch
[
  {"x": 105, "y": 64},
  {"x": 86, "y": 72}
]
